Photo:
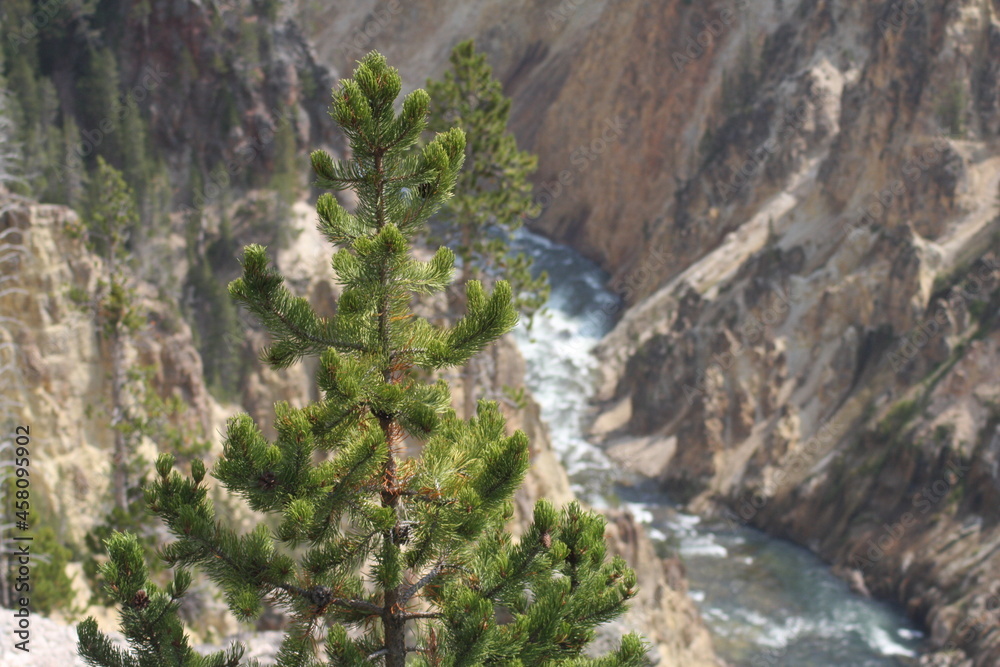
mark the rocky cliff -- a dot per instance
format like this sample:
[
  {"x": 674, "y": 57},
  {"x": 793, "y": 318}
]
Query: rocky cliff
[
  {"x": 216, "y": 88},
  {"x": 798, "y": 199},
  {"x": 61, "y": 371}
]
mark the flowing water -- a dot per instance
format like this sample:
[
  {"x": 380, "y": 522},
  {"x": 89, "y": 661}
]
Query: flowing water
[{"x": 766, "y": 601}]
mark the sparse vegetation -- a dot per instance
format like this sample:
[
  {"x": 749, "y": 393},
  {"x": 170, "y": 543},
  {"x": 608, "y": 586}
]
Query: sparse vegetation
[
  {"x": 951, "y": 109},
  {"x": 898, "y": 416}
]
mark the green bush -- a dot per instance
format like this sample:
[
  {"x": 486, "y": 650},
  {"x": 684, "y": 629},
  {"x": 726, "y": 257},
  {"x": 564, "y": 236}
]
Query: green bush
[{"x": 52, "y": 589}]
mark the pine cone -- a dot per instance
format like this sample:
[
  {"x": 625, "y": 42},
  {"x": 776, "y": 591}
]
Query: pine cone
[
  {"x": 320, "y": 596},
  {"x": 547, "y": 540},
  {"x": 267, "y": 481},
  {"x": 141, "y": 600}
]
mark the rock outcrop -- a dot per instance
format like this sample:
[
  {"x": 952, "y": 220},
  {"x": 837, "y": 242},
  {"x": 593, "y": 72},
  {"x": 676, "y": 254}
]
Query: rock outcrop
[{"x": 797, "y": 199}]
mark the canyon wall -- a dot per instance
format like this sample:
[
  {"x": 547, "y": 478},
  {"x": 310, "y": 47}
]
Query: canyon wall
[
  {"x": 796, "y": 199},
  {"x": 798, "y": 202}
]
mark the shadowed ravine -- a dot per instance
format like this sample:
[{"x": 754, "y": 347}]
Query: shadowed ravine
[{"x": 766, "y": 601}]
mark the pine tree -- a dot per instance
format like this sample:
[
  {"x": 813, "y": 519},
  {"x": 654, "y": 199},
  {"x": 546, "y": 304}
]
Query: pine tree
[
  {"x": 214, "y": 315},
  {"x": 101, "y": 105},
  {"x": 52, "y": 589},
  {"x": 110, "y": 219},
  {"x": 493, "y": 194},
  {"x": 10, "y": 148},
  {"x": 134, "y": 407},
  {"x": 395, "y": 560}
]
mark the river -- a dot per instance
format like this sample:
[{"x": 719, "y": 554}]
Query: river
[{"x": 766, "y": 601}]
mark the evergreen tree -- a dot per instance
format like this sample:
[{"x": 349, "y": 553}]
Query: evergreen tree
[
  {"x": 10, "y": 147},
  {"x": 285, "y": 179},
  {"x": 101, "y": 107},
  {"x": 110, "y": 219},
  {"x": 401, "y": 560},
  {"x": 214, "y": 315},
  {"x": 135, "y": 408},
  {"x": 23, "y": 93},
  {"x": 493, "y": 195},
  {"x": 52, "y": 589}
]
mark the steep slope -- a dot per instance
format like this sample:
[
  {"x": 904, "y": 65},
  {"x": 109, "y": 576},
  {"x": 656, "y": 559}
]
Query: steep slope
[{"x": 799, "y": 200}]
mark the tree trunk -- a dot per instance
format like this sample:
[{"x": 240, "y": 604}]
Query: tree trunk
[
  {"x": 395, "y": 635},
  {"x": 393, "y": 624}
]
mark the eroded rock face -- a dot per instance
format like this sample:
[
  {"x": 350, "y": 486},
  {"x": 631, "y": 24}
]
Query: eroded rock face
[
  {"x": 785, "y": 193},
  {"x": 769, "y": 376}
]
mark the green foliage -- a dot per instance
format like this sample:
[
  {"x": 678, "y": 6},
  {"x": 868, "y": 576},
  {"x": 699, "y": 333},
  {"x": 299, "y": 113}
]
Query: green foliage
[
  {"x": 52, "y": 589},
  {"x": 161, "y": 419},
  {"x": 110, "y": 218},
  {"x": 493, "y": 194},
  {"x": 267, "y": 9},
  {"x": 149, "y": 617},
  {"x": 899, "y": 415},
  {"x": 943, "y": 433},
  {"x": 151, "y": 416},
  {"x": 951, "y": 109},
  {"x": 366, "y": 539},
  {"x": 136, "y": 521},
  {"x": 285, "y": 178},
  {"x": 217, "y": 327},
  {"x": 134, "y": 409},
  {"x": 33, "y": 105},
  {"x": 101, "y": 104},
  {"x": 54, "y": 152}
]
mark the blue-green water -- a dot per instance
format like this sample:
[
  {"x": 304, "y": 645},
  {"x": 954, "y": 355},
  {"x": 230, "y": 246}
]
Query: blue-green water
[{"x": 767, "y": 602}]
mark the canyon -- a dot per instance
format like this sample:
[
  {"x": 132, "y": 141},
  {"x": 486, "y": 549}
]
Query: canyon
[{"x": 797, "y": 203}]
